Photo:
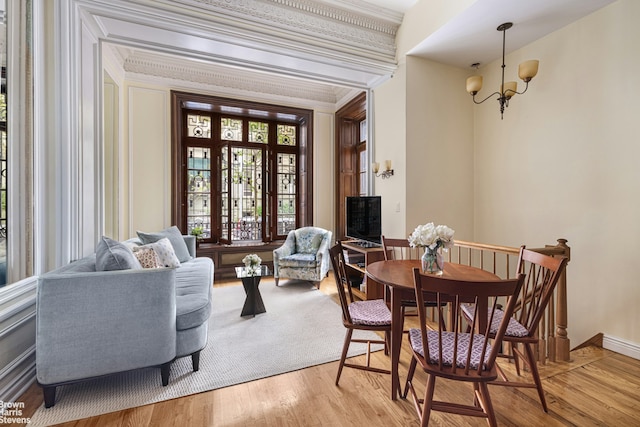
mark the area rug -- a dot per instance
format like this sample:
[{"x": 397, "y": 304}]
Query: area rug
[{"x": 302, "y": 327}]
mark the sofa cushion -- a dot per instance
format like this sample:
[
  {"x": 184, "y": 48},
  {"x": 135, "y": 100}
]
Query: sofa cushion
[
  {"x": 299, "y": 260},
  {"x": 175, "y": 237},
  {"x": 192, "y": 310},
  {"x": 113, "y": 255},
  {"x": 194, "y": 281},
  {"x": 164, "y": 251}
]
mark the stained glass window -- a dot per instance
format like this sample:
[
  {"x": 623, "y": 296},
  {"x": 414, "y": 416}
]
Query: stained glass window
[
  {"x": 231, "y": 129},
  {"x": 240, "y": 185},
  {"x": 225, "y": 220},
  {"x": 286, "y": 192},
  {"x": 246, "y": 198},
  {"x": 286, "y": 135},
  {"x": 199, "y": 191},
  {"x": 259, "y": 132},
  {"x": 198, "y": 126}
]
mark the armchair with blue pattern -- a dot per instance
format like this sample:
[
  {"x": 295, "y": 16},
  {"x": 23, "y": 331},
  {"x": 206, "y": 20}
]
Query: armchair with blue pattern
[{"x": 304, "y": 255}]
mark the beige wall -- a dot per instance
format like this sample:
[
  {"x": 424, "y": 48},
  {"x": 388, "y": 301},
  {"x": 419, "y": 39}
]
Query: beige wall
[
  {"x": 389, "y": 102},
  {"x": 149, "y": 155},
  {"x": 323, "y": 174},
  {"x": 424, "y": 125},
  {"x": 148, "y": 152},
  {"x": 564, "y": 163},
  {"x": 439, "y": 148}
]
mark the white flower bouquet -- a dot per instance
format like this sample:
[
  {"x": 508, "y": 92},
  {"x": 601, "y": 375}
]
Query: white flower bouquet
[
  {"x": 252, "y": 261},
  {"x": 432, "y": 236}
]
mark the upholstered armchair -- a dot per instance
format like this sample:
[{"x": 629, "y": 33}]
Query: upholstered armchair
[{"x": 304, "y": 255}]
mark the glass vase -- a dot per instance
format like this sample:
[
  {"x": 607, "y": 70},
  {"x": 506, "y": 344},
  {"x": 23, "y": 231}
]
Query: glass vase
[{"x": 432, "y": 261}]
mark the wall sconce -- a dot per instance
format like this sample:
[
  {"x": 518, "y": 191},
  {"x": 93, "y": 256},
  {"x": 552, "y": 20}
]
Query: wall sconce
[
  {"x": 386, "y": 173},
  {"x": 526, "y": 71}
]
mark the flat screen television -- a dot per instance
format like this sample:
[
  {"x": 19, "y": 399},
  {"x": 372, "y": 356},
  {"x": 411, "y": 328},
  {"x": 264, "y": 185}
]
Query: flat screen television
[{"x": 364, "y": 218}]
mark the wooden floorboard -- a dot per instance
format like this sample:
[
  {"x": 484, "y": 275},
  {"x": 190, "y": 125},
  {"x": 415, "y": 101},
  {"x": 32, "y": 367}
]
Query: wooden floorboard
[{"x": 596, "y": 388}]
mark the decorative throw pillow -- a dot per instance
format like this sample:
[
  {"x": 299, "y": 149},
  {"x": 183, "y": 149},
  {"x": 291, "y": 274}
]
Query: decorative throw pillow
[
  {"x": 113, "y": 255},
  {"x": 308, "y": 242},
  {"x": 164, "y": 251},
  {"x": 175, "y": 237},
  {"x": 147, "y": 257}
]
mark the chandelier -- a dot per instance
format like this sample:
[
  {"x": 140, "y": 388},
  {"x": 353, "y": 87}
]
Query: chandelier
[{"x": 526, "y": 71}]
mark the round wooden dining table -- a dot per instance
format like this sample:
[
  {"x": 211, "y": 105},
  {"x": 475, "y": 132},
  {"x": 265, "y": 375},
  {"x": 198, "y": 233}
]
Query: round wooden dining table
[{"x": 397, "y": 275}]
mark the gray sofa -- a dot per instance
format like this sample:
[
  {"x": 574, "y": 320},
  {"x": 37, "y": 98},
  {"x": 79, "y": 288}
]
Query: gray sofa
[{"x": 92, "y": 323}]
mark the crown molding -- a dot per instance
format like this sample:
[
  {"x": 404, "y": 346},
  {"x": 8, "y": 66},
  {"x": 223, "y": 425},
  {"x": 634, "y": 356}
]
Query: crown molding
[
  {"x": 312, "y": 22},
  {"x": 166, "y": 67}
]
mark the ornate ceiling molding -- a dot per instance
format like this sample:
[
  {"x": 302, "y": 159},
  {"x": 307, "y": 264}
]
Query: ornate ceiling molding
[
  {"x": 314, "y": 22},
  {"x": 160, "y": 66}
]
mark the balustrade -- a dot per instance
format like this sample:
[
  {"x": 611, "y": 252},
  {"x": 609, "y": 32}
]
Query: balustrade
[{"x": 502, "y": 261}]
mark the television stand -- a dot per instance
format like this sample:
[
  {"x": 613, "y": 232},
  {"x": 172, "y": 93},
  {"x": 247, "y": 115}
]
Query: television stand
[{"x": 372, "y": 253}]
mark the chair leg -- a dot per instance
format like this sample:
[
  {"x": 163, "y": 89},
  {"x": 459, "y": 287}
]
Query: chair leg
[
  {"x": 428, "y": 401},
  {"x": 487, "y": 406},
  {"x": 533, "y": 365},
  {"x": 387, "y": 342},
  {"x": 516, "y": 361},
  {"x": 276, "y": 279},
  {"x": 345, "y": 349},
  {"x": 412, "y": 370}
]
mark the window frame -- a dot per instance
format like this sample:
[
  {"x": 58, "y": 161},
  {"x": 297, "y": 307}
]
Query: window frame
[{"x": 216, "y": 107}]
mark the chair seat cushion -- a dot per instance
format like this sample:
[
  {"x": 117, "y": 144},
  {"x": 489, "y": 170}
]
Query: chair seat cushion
[
  {"x": 299, "y": 260},
  {"x": 370, "y": 313},
  {"x": 514, "y": 329},
  {"x": 448, "y": 342}
]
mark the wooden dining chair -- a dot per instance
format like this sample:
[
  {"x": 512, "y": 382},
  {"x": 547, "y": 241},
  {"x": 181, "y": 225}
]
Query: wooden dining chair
[
  {"x": 399, "y": 249},
  {"x": 542, "y": 275},
  {"x": 369, "y": 315},
  {"x": 455, "y": 355}
]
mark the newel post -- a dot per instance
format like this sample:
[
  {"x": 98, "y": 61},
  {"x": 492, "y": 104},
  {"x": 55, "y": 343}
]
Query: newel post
[{"x": 562, "y": 339}]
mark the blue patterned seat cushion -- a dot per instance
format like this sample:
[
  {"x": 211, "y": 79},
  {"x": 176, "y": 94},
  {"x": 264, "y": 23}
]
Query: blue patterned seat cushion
[
  {"x": 299, "y": 260},
  {"x": 514, "y": 329},
  {"x": 448, "y": 343},
  {"x": 371, "y": 313}
]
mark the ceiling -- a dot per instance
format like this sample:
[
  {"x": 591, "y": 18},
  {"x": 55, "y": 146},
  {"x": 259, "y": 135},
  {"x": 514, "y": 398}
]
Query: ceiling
[
  {"x": 296, "y": 71},
  {"x": 472, "y": 36}
]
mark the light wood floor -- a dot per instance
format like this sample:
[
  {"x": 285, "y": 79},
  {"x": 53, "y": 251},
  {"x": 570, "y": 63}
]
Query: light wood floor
[{"x": 596, "y": 388}]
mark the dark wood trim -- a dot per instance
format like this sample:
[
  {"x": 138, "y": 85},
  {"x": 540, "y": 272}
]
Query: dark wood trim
[
  {"x": 204, "y": 103},
  {"x": 347, "y": 132}
]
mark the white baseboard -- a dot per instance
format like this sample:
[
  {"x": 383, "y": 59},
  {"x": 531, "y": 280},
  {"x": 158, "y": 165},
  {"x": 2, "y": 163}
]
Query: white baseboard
[{"x": 621, "y": 346}]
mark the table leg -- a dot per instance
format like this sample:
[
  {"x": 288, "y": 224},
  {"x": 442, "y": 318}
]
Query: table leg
[
  {"x": 396, "y": 340},
  {"x": 253, "y": 303}
]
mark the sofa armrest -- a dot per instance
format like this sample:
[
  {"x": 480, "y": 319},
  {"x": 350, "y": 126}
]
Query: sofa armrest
[{"x": 96, "y": 323}]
